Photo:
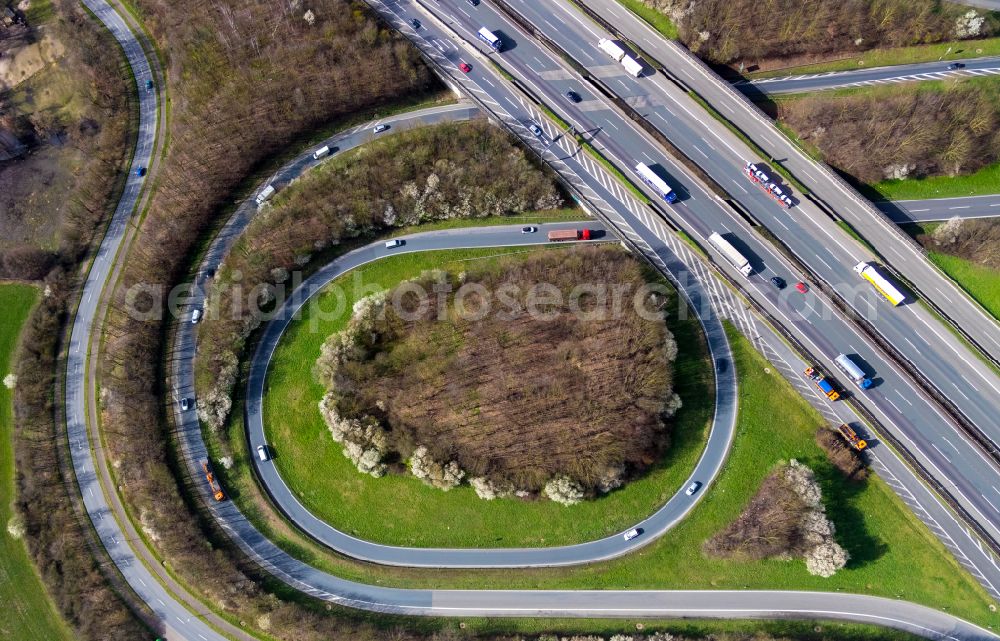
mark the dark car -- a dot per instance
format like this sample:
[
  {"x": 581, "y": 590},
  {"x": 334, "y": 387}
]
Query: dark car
[
  {"x": 474, "y": 3},
  {"x": 778, "y": 282},
  {"x": 149, "y": 85},
  {"x": 415, "y": 23},
  {"x": 140, "y": 171},
  {"x": 957, "y": 65},
  {"x": 573, "y": 96}
]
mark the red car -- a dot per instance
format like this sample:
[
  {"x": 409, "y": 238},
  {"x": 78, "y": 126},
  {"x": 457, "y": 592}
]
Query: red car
[
  {"x": 465, "y": 67},
  {"x": 801, "y": 287}
]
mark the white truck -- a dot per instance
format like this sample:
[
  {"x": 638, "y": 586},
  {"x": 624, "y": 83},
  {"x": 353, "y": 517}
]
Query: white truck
[
  {"x": 737, "y": 259},
  {"x": 632, "y": 66},
  {"x": 264, "y": 194},
  {"x": 609, "y": 47}
]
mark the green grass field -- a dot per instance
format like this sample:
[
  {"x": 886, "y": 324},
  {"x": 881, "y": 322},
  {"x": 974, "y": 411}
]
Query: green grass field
[
  {"x": 984, "y": 182},
  {"x": 29, "y": 615},
  {"x": 893, "y": 554},
  {"x": 329, "y": 485},
  {"x": 657, "y": 20},
  {"x": 982, "y": 283}
]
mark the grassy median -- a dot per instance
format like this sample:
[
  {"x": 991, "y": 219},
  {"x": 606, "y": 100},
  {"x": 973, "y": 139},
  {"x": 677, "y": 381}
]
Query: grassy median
[
  {"x": 401, "y": 510},
  {"x": 29, "y": 614}
]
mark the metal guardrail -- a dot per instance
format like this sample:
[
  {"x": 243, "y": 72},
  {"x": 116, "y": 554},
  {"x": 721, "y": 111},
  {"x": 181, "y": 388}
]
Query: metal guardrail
[
  {"x": 884, "y": 346},
  {"x": 846, "y": 187}
]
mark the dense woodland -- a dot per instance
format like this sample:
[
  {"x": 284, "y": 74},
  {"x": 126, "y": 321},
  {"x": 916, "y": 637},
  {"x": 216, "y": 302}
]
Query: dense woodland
[
  {"x": 466, "y": 170},
  {"x": 247, "y": 79},
  {"x": 944, "y": 128},
  {"x": 749, "y": 31},
  {"x": 513, "y": 394}
]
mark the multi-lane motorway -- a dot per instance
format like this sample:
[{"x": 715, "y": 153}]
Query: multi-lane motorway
[
  {"x": 963, "y": 469},
  {"x": 182, "y": 624}
]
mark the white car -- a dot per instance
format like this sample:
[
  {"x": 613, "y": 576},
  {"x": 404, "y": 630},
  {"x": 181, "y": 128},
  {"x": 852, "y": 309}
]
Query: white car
[
  {"x": 185, "y": 404},
  {"x": 196, "y": 316},
  {"x": 380, "y": 128},
  {"x": 535, "y": 129},
  {"x": 262, "y": 452},
  {"x": 692, "y": 488},
  {"x": 529, "y": 229},
  {"x": 631, "y": 534},
  {"x": 389, "y": 244}
]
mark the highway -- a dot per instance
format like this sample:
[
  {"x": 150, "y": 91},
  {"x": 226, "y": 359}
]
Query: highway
[
  {"x": 940, "y": 447},
  {"x": 813, "y": 236},
  {"x": 182, "y": 624},
  {"x": 935, "y": 209},
  {"x": 901, "y": 252},
  {"x": 916, "y": 72},
  {"x": 915, "y": 494},
  {"x": 179, "y": 622}
]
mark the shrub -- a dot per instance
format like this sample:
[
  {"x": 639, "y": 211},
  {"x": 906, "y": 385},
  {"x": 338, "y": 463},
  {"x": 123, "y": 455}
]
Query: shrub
[{"x": 563, "y": 490}]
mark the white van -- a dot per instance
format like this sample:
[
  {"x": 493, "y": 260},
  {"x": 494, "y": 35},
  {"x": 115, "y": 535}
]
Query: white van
[
  {"x": 262, "y": 452},
  {"x": 389, "y": 244},
  {"x": 264, "y": 194},
  {"x": 322, "y": 151}
]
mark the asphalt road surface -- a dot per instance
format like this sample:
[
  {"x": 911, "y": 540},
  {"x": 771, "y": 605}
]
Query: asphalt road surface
[
  {"x": 175, "y": 616},
  {"x": 905, "y": 616},
  {"x": 938, "y": 445},
  {"x": 935, "y": 209},
  {"x": 916, "y": 72},
  {"x": 653, "y": 526},
  {"x": 900, "y": 251}
]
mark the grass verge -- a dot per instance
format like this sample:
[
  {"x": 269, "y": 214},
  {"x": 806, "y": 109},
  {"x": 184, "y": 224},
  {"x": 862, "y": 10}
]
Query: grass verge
[
  {"x": 654, "y": 18},
  {"x": 984, "y": 182},
  {"x": 327, "y": 483},
  {"x": 31, "y": 616}
]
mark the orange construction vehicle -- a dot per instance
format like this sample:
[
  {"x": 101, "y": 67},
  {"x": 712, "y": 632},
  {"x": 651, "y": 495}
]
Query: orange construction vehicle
[
  {"x": 852, "y": 437},
  {"x": 212, "y": 483}
]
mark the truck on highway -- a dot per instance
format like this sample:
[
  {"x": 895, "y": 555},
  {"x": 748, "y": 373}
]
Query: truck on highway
[
  {"x": 852, "y": 437},
  {"x": 883, "y": 285},
  {"x": 649, "y": 177},
  {"x": 264, "y": 194},
  {"x": 611, "y": 48},
  {"x": 852, "y": 370},
  {"x": 732, "y": 254},
  {"x": 491, "y": 39},
  {"x": 632, "y": 66},
  {"x": 557, "y": 235},
  {"x": 824, "y": 384},
  {"x": 212, "y": 483},
  {"x": 769, "y": 187}
]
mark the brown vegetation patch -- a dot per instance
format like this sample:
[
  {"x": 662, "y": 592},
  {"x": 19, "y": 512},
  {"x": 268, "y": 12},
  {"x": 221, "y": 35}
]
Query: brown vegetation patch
[
  {"x": 902, "y": 132},
  {"x": 515, "y": 397},
  {"x": 63, "y": 139},
  {"x": 725, "y": 31},
  {"x": 975, "y": 240},
  {"x": 464, "y": 170},
  {"x": 844, "y": 457},
  {"x": 785, "y": 519}
]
